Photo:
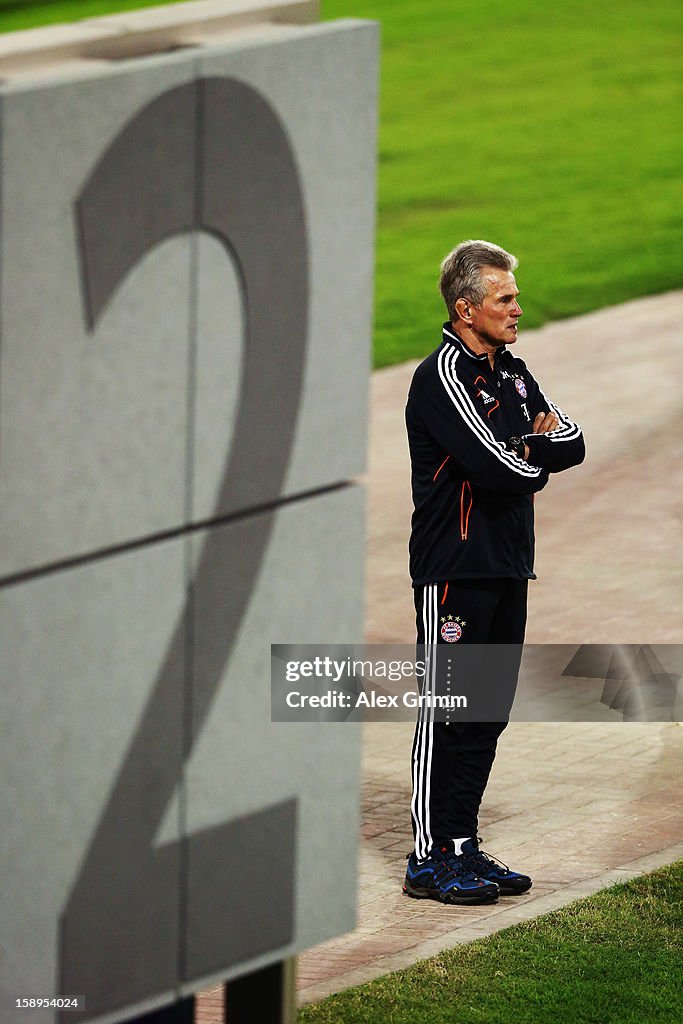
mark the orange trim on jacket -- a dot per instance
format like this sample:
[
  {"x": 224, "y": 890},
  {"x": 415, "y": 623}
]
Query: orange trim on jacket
[{"x": 465, "y": 516}]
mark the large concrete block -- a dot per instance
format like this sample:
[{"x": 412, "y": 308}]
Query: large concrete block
[
  {"x": 93, "y": 692},
  {"x": 186, "y": 247}
]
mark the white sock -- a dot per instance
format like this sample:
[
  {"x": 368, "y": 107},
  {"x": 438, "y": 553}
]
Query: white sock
[{"x": 458, "y": 843}]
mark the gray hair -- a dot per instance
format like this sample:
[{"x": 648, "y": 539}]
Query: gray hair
[{"x": 461, "y": 271}]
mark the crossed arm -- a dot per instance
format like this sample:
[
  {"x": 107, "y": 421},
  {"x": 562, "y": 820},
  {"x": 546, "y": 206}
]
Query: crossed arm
[{"x": 543, "y": 424}]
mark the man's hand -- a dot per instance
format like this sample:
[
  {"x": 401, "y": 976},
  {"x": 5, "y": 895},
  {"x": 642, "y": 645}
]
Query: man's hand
[{"x": 545, "y": 422}]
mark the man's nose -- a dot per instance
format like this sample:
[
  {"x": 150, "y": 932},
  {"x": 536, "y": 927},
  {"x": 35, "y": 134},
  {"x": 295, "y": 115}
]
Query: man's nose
[{"x": 516, "y": 309}]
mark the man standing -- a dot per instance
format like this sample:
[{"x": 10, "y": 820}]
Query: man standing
[{"x": 483, "y": 439}]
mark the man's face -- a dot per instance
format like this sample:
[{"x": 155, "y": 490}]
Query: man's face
[{"x": 495, "y": 320}]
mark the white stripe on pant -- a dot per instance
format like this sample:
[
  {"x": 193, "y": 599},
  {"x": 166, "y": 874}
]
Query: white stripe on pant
[{"x": 424, "y": 735}]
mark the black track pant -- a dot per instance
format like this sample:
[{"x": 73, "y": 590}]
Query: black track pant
[{"x": 451, "y": 762}]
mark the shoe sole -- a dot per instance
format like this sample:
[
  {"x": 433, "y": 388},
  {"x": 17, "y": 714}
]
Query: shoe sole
[
  {"x": 448, "y": 898},
  {"x": 505, "y": 891}
]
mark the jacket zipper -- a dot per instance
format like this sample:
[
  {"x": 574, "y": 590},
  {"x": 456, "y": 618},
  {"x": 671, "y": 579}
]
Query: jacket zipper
[{"x": 465, "y": 515}]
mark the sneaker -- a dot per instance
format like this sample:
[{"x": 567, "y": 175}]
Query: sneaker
[
  {"x": 440, "y": 878},
  {"x": 511, "y": 883}
]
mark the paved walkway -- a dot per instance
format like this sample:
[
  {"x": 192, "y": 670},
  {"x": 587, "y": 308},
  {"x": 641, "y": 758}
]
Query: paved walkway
[{"x": 578, "y": 806}]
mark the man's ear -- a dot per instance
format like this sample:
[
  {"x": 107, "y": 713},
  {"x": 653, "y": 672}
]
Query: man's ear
[{"x": 462, "y": 308}]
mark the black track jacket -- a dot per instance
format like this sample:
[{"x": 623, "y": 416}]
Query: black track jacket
[{"x": 473, "y": 498}]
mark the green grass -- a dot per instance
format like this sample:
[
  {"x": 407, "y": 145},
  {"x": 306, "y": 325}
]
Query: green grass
[
  {"x": 613, "y": 958},
  {"x": 552, "y": 129}
]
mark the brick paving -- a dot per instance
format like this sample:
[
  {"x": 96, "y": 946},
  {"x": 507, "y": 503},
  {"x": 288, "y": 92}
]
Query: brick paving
[
  {"x": 209, "y": 1007},
  {"x": 579, "y": 806}
]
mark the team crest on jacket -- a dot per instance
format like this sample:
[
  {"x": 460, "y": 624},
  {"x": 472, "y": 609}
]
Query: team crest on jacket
[
  {"x": 521, "y": 386},
  {"x": 451, "y": 631}
]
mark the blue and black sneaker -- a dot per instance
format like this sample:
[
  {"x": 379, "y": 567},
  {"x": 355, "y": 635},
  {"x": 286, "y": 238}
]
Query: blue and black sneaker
[
  {"x": 511, "y": 883},
  {"x": 440, "y": 877}
]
